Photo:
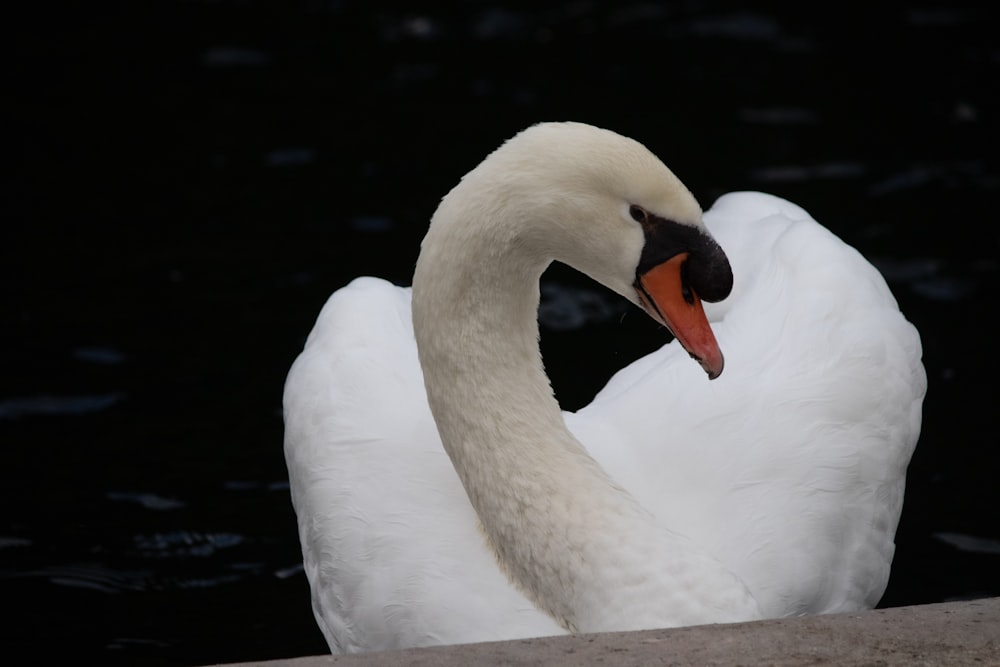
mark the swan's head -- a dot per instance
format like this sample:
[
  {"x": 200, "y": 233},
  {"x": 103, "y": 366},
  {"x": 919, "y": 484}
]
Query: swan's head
[
  {"x": 605, "y": 205},
  {"x": 601, "y": 203}
]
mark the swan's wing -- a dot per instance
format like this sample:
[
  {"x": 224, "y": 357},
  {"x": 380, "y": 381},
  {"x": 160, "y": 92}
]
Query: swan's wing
[
  {"x": 790, "y": 467},
  {"x": 390, "y": 543}
]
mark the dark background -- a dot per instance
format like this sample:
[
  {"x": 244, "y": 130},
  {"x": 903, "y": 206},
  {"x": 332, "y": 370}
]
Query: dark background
[{"x": 192, "y": 179}]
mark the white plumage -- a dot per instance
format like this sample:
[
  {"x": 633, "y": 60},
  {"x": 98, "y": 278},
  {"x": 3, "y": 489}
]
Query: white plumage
[{"x": 774, "y": 490}]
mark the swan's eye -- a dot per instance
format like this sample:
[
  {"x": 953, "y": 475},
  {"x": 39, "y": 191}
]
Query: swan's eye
[{"x": 637, "y": 213}]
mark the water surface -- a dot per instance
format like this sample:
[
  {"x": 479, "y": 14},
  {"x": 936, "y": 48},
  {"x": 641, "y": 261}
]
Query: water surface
[{"x": 193, "y": 180}]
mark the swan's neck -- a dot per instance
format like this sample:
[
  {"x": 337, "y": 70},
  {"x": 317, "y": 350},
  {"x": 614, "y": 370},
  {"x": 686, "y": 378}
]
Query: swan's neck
[{"x": 578, "y": 545}]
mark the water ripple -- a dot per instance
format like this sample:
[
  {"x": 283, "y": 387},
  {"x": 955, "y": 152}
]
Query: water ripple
[
  {"x": 227, "y": 56},
  {"x": 926, "y": 277},
  {"x": 95, "y": 354},
  {"x": 969, "y": 543},
  {"x": 795, "y": 173},
  {"x": 149, "y": 501},
  {"x": 564, "y": 308},
  {"x": 48, "y": 405},
  {"x": 8, "y": 542},
  {"x": 182, "y": 543}
]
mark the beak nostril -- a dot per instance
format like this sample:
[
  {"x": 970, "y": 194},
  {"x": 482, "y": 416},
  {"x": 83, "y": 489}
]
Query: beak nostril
[{"x": 686, "y": 291}]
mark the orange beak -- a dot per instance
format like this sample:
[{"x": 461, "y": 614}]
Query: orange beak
[{"x": 669, "y": 300}]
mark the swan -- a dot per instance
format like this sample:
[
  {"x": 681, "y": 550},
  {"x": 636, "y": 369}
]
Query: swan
[{"x": 443, "y": 497}]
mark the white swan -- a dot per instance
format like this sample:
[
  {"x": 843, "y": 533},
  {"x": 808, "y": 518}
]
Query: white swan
[{"x": 670, "y": 500}]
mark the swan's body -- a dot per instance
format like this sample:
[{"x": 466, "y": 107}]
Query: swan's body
[{"x": 669, "y": 500}]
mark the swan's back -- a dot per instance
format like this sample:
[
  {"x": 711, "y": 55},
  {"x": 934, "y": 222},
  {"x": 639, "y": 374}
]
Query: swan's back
[{"x": 790, "y": 467}]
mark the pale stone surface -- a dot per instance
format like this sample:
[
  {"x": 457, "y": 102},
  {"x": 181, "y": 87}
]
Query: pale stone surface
[{"x": 953, "y": 633}]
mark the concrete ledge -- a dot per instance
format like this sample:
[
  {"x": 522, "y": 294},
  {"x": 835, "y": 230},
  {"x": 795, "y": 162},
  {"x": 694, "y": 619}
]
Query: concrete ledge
[{"x": 954, "y": 633}]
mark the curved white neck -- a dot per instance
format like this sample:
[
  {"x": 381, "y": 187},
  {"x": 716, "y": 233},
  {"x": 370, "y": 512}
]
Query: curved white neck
[{"x": 575, "y": 543}]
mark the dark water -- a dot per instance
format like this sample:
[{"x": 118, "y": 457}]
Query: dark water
[{"x": 192, "y": 179}]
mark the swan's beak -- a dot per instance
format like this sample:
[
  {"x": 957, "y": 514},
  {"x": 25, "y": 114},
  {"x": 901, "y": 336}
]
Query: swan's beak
[{"x": 669, "y": 299}]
